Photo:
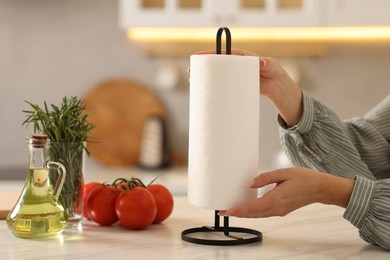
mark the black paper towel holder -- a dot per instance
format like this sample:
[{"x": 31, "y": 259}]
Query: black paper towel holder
[{"x": 231, "y": 235}]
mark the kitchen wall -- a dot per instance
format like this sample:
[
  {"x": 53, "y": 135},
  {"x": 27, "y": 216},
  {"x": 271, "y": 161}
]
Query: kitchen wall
[{"x": 50, "y": 49}]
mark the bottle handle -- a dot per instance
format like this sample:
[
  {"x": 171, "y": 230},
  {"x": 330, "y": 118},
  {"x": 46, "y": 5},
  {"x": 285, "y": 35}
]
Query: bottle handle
[{"x": 59, "y": 167}]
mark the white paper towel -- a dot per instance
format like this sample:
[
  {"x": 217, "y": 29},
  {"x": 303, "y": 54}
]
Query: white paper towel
[{"x": 223, "y": 131}]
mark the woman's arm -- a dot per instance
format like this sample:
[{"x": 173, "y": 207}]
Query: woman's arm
[{"x": 356, "y": 149}]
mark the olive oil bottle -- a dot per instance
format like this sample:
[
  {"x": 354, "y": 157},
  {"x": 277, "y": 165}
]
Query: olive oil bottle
[{"x": 37, "y": 213}]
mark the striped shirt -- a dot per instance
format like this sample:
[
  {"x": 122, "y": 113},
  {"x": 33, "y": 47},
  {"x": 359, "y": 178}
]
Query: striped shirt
[{"x": 358, "y": 148}]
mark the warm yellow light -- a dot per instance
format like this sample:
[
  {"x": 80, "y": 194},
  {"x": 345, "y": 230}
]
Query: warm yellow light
[{"x": 249, "y": 34}]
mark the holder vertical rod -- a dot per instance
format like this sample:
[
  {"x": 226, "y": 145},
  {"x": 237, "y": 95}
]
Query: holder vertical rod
[
  {"x": 226, "y": 225},
  {"x": 216, "y": 219}
]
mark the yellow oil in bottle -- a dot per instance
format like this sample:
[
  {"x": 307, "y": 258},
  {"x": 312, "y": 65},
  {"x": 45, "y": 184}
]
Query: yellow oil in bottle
[{"x": 37, "y": 213}]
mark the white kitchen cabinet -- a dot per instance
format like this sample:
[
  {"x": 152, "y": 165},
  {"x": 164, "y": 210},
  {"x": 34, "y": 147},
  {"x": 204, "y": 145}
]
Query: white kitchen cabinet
[
  {"x": 270, "y": 13},
  {"x": 252, "y": 13},
  {"x": 239, "y": 13},
  {"x": 162, "y": 13},
  {"x": 358, "y": 12}
]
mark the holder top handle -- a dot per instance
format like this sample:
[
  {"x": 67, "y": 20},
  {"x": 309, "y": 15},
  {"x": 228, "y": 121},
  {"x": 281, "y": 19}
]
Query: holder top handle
[{"x": 228, "y": 41}]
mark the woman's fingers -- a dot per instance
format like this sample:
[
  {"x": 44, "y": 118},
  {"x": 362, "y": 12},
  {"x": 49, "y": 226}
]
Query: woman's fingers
[
  {"x": 204, "y": 52},
  {"x": 258, "y": 208},
  {"x": 271, "y": 177}
]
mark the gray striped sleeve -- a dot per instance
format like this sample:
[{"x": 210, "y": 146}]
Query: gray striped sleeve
[
  {"x": 369, "y": 210},
  {"x": 358, "y": 148}
]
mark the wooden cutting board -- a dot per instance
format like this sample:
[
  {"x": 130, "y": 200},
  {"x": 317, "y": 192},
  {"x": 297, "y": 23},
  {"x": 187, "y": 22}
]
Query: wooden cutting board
[
  {"x": 7, "y": 202},
  {"x": 120, "y": 108}
]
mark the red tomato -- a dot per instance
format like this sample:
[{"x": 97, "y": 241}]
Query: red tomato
[
  {"x": 101, "y": 205},
  {"x": 87, "y": 189},
  {"x": 164, "y": 202},
  {"x": 136, "y": 208}
]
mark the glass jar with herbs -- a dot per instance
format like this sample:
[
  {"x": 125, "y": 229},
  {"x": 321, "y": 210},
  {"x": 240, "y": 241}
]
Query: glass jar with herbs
[{"x": 67, "y": 128}]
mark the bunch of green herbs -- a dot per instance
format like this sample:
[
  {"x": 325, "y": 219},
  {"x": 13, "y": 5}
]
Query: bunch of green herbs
[{"x": 67, "y": 128}]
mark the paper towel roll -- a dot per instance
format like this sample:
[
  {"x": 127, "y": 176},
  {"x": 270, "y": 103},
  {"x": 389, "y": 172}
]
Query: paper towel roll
[{"x": 223, "y": 131}]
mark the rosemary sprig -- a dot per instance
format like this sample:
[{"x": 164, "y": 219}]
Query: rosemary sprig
[
  {"x": 67, "y": 128},
  {"x": 67, "y": 123}
]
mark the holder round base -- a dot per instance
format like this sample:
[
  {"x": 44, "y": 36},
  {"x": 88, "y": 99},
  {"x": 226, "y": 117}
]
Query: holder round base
[
  {"x": 232, "y": 235},
  {"x": 227, "y": 232}
]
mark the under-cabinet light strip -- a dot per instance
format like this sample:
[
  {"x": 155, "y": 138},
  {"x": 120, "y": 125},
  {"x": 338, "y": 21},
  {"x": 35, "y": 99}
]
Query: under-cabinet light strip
[{"x": 291, "y": 34}]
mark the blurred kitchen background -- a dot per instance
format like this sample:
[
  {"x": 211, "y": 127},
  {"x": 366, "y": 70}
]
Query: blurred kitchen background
[{"x": 55, "y": 48}]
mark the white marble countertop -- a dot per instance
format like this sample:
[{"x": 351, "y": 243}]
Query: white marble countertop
[{"x": 313, "y": 232}]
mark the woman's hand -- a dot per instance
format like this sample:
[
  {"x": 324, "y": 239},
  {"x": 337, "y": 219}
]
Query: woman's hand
[
  {"x": 277, "y": 86},
  {"x": 295, "y": 188},
  {"x": 273, "y": 70}
]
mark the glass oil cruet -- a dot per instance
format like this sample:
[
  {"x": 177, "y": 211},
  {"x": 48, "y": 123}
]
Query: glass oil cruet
[{"x": 37, "y": 213}]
